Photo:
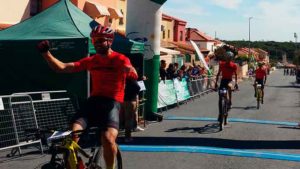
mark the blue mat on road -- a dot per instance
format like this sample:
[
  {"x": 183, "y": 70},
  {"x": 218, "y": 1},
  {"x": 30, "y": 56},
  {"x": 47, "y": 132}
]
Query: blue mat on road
[
  {"x": 232, "y": 120},
  {"x": 212, "y": 150}
]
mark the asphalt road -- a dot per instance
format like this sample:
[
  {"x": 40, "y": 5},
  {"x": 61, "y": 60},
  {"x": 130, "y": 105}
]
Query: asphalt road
[{"x": 162, "y": 144}]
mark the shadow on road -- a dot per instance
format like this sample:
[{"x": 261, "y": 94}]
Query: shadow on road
[
  {"x": 245, "y": 108},
  {"x": 216, "y": 142},
  {"x": 207, "y": 129},
  {"x": 289, "y": 127},
  {"x": 288, "y": 86}
]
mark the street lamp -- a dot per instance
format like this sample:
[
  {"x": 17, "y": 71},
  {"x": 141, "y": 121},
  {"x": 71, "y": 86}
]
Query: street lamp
[{"x": 249, "y": 35}]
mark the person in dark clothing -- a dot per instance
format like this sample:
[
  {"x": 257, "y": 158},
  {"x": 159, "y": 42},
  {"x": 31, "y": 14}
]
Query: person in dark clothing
[
  {"x": 171, "y": 72},
  {"x": 130, "y": 107},
  {"x": 162, "y": 70}
]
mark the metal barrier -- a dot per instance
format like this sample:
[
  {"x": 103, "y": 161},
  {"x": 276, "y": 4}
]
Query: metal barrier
[
  {"x": 17, "y": 114},
  {"x": 198, "y": 87},
  {"x": 54, "y": 109}
]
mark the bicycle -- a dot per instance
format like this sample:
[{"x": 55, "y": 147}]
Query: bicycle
[
  {"x": 259, "y": 96},
  {"x": 224, "y": 108},
  {"x": 63, "y": 151}
]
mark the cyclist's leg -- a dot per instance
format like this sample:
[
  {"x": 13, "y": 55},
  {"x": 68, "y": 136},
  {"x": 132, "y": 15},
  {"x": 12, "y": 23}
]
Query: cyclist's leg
[
  {"x": 262, "y": 91},
  {"x": 110, "y": 149},
  {"x": 109, "y": 122},
  {"x": 80, "y": 120},
  {"x": 255, "y": 85},
  {"x": 80, "y": 124},
  {"x": 230, "y": 88}
]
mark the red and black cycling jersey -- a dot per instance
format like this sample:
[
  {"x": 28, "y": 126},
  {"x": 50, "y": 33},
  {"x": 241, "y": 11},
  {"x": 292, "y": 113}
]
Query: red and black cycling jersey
[
  {"x": 227, "y": 69},
  {"x": 108, "y": 74},
  {"x": 260, "y": 73}
]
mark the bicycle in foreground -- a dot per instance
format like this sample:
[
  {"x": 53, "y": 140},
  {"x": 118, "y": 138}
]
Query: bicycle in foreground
[
  {"x": 224, "y": 108},
  {"x": 65, "y": 152},
  {"x": 259, "y": 97}
]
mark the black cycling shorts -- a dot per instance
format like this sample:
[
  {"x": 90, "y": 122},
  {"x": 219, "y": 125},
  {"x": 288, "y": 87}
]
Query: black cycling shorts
[
  {"x": 224, "y": 83},
  {"x": 261, "y": 82},
  {"x": 101, "y": 112}
]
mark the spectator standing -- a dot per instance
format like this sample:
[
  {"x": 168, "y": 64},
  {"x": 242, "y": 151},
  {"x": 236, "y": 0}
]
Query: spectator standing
[{"x": 162, "y": 70}]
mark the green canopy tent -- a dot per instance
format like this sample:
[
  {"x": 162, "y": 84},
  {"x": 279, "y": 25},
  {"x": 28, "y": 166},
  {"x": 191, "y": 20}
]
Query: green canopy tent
[{"x": 22, "y": 68}]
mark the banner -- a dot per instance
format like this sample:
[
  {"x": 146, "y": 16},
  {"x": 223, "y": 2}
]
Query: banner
[
  {"x": 181, "y": 89},
  {"x": 166, "y": 94},
  {"x": 201, "y": 57}
]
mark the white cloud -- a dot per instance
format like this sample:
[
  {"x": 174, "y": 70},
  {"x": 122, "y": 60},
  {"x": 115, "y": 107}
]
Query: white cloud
[
  {"x": 273, "y": 19},
  {"x": 184, "y": 9},
  {"x": 276, "y": 20},
  {"x": 229, "y": 4}
]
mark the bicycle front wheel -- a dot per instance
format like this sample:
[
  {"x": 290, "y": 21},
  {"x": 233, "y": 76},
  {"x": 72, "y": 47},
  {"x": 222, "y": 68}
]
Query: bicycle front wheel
[
  {"x": 223, "y": 112},
  {"x": 54, "y": 165}
]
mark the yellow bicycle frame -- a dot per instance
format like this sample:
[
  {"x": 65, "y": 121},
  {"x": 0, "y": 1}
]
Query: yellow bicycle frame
[{"x": 73, "y": 147}]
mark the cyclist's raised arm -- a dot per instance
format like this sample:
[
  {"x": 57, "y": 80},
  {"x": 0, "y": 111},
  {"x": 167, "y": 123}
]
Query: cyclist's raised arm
[
  {"x": 217, "y": 77},
  {"x": 218, "y": 74},
  {"x": 57, "y": 65},
  {"x": 54, "y": 63}
]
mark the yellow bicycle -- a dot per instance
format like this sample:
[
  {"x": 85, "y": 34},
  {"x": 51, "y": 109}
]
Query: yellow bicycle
[
  {"x": 259, "y": 95},
  {"x": 65, "y": 152}
]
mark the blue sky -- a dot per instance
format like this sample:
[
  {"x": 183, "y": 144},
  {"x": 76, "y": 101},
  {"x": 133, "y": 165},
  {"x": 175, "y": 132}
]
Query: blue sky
[{"x": 275, "y": 20}]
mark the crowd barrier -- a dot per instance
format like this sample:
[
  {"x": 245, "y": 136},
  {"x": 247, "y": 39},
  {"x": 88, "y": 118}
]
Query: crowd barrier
[
  {"x": 21, "y": 111},
  {"x": 175, "y": 91},
  {"x": 17, "y": 113}
]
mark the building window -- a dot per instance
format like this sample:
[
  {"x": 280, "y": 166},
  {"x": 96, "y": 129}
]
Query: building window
[
  {"x": 109, "y": 20},
  {"x": 188, "y": 58},
  {"x": 164, "y": 34},
  {"x": 168, "y": 33},
  {"x": 181, "y": 35},
  {"x": 162, "y": 28},
  {"x": 121, "y": 21},
  {"x": 35, "y": 7}
]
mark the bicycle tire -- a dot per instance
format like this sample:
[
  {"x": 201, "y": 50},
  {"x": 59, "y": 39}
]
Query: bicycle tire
[
  {"x": 119, "y": 163},
  {"x": 223, "y": 112},
  {"x": 55, "y": 165}
]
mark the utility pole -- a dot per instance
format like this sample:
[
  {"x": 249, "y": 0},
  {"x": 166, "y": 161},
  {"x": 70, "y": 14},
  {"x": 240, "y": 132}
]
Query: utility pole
[
  {"x": 250, "y": 35},
  {"x": 296, "y": 38}
]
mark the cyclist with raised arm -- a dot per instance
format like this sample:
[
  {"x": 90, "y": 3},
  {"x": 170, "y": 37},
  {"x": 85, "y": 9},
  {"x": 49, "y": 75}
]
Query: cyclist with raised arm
[
  {"x": 260, "y": 78},
  {"x": 109, "y": 71},
  {"x": 227, "y": 69}
]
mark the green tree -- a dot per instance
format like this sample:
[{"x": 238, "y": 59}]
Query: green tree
[{"x": 296, "y": 60}]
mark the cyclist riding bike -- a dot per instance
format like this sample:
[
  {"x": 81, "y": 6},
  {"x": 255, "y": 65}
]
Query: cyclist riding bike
[
  {"x": 260, "y": 78},
  {"x": 109, "y": 71},
  {"x": 227, "y": 68}
]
